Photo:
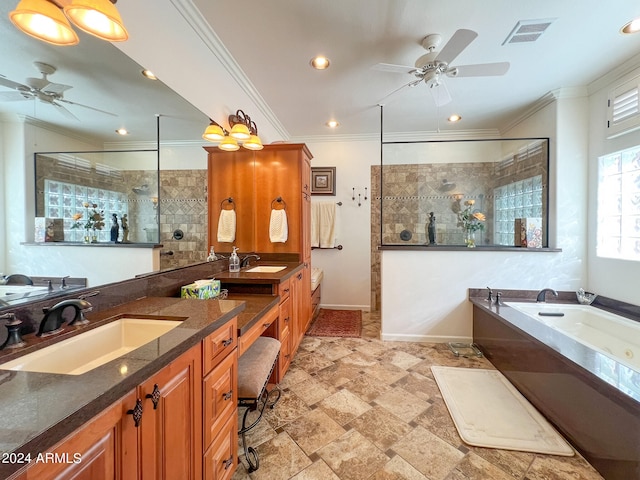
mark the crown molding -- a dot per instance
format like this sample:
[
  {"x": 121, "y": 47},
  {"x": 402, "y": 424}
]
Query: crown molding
[
  {"x": 631, "y": 66},
  {"x": 198, "y": 23},
  {"x": 482, "y": 134}
]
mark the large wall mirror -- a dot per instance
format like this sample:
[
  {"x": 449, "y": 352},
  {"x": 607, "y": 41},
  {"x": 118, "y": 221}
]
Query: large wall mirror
[{"x": 451, "y": 193}]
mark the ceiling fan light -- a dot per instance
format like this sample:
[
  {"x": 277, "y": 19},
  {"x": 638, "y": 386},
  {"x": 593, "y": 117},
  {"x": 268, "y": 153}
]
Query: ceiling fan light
[
  {"x": 99, "y": 18},
  {"x": 43, "y": 20},
  {"x": 240, "y": 131},
  {"x": 229, "y": 144},
  {"x": 213, "y": 133},
  {"x": 632, "y": 27},
  {"x": 254, "y": 143}
]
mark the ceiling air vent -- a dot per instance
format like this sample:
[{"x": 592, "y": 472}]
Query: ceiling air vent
[{"x": 528, "y": 31}]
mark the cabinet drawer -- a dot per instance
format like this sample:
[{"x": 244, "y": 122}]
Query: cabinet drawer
[
  {"x": 221, "y": 459},
  {"x": 285, "y": 356},
  {"x": 247, "y": 338},
  {"x": 284, "y": 322},
  {"x": 283, "y": 290},
  {"x": 220, "y": 394},
  {"x": 219, "y": 344}
]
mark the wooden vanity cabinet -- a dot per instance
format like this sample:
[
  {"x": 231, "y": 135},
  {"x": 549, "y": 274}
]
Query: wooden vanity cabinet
[{"x": 104, "y": 448}]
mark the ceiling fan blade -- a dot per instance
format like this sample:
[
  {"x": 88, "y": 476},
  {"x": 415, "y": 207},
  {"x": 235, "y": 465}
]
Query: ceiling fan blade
[
  {"x": 413, "y": 83},
  {"x": 64, "y": 111},
  {"x": 460, "y": 40},
  {"x": 388, "y": 67},
  {"x": 15, "y": 96},
  {"x": 483, "y": 70},
  {"x": 11, "y": 84},
  {"x": 86, "y": 106},
  {"x": 440, "y": 93}
]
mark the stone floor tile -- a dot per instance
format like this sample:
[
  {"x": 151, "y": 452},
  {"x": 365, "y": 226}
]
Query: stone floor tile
[
  {"x": 343, "y": 406},
  {"x": 381, "y": 427},
  {"x": 398, "y": 469},
  {"x": 366, "y": 387},
  {"x": 513, "y": 462},
  {"x": 422, "y": 387},
  {"x": 287, "y": 410},
  {"x": 280, "y": 459},
  {"x": 353, "y": 457},
  {"x": 473, "y": 467},
  {"x": 335, "y": 350},
  {"x": 313, "y": 430},
  {"x": 339, "y": 373},
  {"x": 550, "y": 467},
  {"x": 399, "y": 359},
  {"x": 438, "y": 421},
  {"x": 294, "y": 375},
  {"x": 402, "y": 404},
  {"x": 317, "y": 471},
  {"x": 311, "y": 391}
]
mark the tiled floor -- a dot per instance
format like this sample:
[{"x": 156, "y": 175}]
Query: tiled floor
[{"x": 356, "y": 409}]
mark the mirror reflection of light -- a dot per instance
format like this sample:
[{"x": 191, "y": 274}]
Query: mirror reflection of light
[{"x": 124, "y": 370}]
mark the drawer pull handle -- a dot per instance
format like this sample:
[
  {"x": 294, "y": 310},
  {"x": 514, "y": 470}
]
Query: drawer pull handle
[
  {"x": 227, "y": 342},
  {"x": 287, "y": 320},
  {"x": 228, "y": 462},
  {"x": 300, "y": 276},
  {"x": 228, "y": 395},
  {"x": 154, "y": 396},
  {"x": 136, "y": 412},
  {"x": 286, "y": 290},
  {"x": 266, "y": 325}
]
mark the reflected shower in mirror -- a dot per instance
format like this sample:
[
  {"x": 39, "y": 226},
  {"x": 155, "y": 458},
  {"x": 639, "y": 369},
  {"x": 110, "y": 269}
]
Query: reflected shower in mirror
[
  {"x": 464, "y": 193},
  {"x": 107, "y": 196}
]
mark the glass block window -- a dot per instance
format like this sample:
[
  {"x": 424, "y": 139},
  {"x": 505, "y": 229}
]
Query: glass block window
[
  {"x": 63, "y": 200},
  {"x": 618, "y": 228},
  {"x": 521, "y": 199}
]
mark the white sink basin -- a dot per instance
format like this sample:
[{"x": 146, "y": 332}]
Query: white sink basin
[
  {"x": 12, "y": 292},
  {"x": 265, "y": 269},
  {"x": 96, "y": 347}
]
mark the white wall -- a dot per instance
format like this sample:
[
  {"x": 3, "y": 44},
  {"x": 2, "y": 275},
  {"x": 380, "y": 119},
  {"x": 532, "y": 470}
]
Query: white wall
[
  {"x": 347, "y": 272},
  {"x": 609, "y": 277},
  {"x": 424, "y": 293}
]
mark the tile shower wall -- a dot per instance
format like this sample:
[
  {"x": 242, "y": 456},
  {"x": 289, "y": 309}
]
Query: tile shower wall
[{"x": 183, "y": 206}]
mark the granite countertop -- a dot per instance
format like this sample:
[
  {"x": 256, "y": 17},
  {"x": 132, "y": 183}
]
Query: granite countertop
[
  {"x": 586, "y": 357},
  {"x": 39, "y": 409},
  {"x": 243, "y": 276}
]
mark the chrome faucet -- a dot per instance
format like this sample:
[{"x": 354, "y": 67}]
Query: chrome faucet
[
  {"x": 541, "y": 298},
  {"x": 245, "y": 261},
  {"x": 56, "y": 316}
]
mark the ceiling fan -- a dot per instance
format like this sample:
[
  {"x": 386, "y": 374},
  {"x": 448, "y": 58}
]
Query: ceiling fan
[
  {"x": 432, "y": 67},
  {"x": 44, "y": 90}
]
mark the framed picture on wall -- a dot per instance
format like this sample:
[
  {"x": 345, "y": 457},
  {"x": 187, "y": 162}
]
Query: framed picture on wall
[{"x": 323, "y": 180}]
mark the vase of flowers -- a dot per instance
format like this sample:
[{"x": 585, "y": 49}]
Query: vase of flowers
[
  {"x": 471, "y": 220},
  {"x": 91, "y": 220}
]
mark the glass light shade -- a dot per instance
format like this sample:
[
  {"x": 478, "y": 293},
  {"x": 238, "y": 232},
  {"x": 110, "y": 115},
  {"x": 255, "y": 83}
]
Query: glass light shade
[
  {"x": 240, "y": 132},
  {"x": 99, "y": 18},
  {"x": 254, "y": 143},
  {"x": 44, "y": 21},
  {"x": 229, "y": 144},
  {"x": 213, "y": 133}
]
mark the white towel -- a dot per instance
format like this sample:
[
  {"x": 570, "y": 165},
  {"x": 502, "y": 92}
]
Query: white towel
[
  {"x": 323, "y": 224},
  {"x": 227, "y": 226},
  {"x": 278, "y": 228}
]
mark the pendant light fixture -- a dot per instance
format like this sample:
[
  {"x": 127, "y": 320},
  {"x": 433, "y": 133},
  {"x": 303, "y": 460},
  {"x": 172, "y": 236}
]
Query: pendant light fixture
[
  {"x": 243, "y": 132},
  {"x": 45, "y": 21}
]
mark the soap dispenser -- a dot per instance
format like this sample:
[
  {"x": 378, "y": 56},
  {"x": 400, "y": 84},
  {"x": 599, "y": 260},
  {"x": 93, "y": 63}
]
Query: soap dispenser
[
  {"x": 234, "y": 261},
  {"x": 212, "y": 255}
]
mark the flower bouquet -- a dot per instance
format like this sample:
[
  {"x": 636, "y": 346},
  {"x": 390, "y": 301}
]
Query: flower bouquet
[
  {"x": 471, "y": 220},
  {"x": 90, "y": 220}
]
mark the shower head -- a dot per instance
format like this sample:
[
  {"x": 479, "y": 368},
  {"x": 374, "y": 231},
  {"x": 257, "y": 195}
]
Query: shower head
[
  {"x": 447, "y": 185},
  {"x": 141, "y": 190}
]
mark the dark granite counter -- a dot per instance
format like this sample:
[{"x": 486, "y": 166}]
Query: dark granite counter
[
  {"x": 244, "y": 276},
  {"x": 255, "y": 307},
  {"x": 38, "y": 409}
]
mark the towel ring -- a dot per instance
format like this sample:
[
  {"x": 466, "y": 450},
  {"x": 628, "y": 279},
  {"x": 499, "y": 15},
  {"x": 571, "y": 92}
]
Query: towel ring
[
  {"x": 230, "y": 200},
  {"x": 279, "y": 200}
]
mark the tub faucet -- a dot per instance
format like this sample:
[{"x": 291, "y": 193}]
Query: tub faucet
[
  {"x": 541, "y": 298},
  {"x": 245, "y": 261}
]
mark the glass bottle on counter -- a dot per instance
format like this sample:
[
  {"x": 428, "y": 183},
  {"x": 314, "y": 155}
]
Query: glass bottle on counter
[{"x": 234, "y": 261}]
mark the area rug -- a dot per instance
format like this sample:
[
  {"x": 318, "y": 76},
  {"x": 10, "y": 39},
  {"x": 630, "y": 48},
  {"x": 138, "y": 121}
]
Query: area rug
[
  {"x": 490, "y": 412},
  {"x": 336, "y": 323}
]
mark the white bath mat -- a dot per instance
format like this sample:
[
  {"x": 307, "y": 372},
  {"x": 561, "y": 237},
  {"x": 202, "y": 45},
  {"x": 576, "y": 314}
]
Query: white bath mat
[{"x": 490, "y": 412}]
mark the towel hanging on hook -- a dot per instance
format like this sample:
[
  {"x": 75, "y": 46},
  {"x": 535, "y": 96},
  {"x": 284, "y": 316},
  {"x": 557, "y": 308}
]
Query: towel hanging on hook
[{"x": 279, "y": 200}]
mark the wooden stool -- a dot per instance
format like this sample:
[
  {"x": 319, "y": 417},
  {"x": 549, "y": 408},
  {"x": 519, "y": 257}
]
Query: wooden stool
[{"x": 254, "y": 370}]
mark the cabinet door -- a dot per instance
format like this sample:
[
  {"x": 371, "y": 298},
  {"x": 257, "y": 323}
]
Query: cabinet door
[
  {"x": 296, "y": 312},
  {"x": 305, "y": 297},
  {"x": 105, "y": 448},
  {"x": 171, "y": 433},
  {"x": 220, "y": 397}
]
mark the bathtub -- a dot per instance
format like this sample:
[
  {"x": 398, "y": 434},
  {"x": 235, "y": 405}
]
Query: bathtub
[
  {"x": 611, "y": 335},
  {"x": 580, "y": 367}
]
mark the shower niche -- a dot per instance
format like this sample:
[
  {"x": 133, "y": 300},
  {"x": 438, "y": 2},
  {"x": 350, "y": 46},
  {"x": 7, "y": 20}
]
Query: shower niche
[{"x": 120, "y": 186}]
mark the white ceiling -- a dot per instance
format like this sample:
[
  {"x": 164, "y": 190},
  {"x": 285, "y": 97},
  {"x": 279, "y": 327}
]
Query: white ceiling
[{"x": 221, "y": 59}]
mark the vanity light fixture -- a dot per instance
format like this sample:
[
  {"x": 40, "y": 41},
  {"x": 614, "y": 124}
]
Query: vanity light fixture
[
  {"x": 333, "y": 124},
  {"x": 243, "y": 132},
  {"x": 454, "y": 118},
  {"x": 149, "y": 74},
  {"x": 632, "y": 27},
  {"x": 319, "y": 62},
  {"x": 45, "y": 20}
]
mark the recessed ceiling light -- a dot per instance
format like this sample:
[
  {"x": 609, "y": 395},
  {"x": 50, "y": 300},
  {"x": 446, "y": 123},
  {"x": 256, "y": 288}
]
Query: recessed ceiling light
[
  {"x": 454, "y": 118},
  {"x": 333, "y": 124},
  {"x": 122, "y": 131},
  {"x": 632, "y": 27},
  {"x": 319, "y": 62},
  {"x": 149, "y": 74}
]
